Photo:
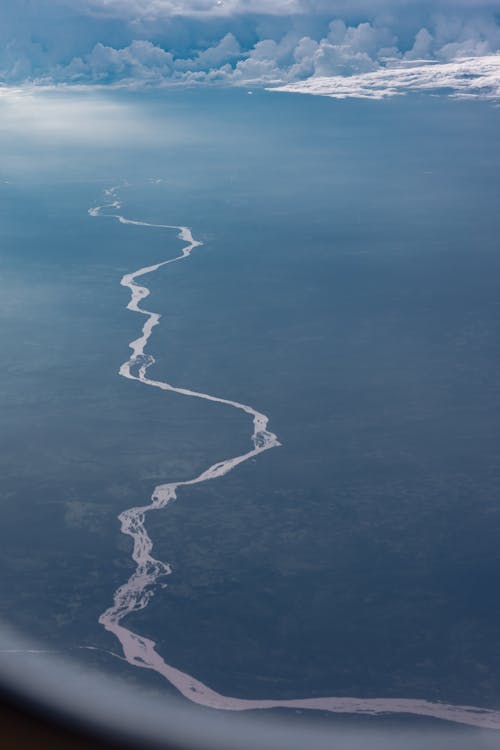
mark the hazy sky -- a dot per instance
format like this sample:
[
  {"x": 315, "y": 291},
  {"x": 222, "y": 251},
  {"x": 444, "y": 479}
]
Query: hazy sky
[{"x": 243, "y": 42}]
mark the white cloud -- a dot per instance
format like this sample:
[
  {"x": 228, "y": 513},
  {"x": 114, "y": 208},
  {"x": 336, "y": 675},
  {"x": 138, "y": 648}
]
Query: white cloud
[
  {"x": 477, "y": 77},
  {"x": 213, "y": 57},
  {"x": 147, "y": 10},
  {"x": 242, "y": 42},
  {"x": 355, "y": 49},
  {"x": 141, "y": 59},
  {"x": 422, "y": 46},
  {"x": 157, "y": 9}
]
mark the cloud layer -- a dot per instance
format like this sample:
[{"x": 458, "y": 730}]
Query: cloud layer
[
  {"x": 254, "y": 42},
  {"x": 477, "y": 77}
]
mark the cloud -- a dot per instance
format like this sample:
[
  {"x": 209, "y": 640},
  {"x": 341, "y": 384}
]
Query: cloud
[
  {"x": 154, "y": 10},
  {"x": 141, "y": 60},
  {"x": 347, "y": 9},
  {"x": 225, "y": 51},
  {"x": 238, "y": 42},
  {"x": 477, "y": 77}
]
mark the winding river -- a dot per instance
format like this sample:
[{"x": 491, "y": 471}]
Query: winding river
[{"x": 134, "y": 594}]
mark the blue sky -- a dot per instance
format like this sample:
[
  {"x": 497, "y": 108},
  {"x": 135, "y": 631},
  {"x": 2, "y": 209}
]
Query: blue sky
[{"x": 246, "y": 42}]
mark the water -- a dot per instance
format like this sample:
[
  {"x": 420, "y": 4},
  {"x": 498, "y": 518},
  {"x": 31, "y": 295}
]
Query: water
[{"x": 346, "y": 288}]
